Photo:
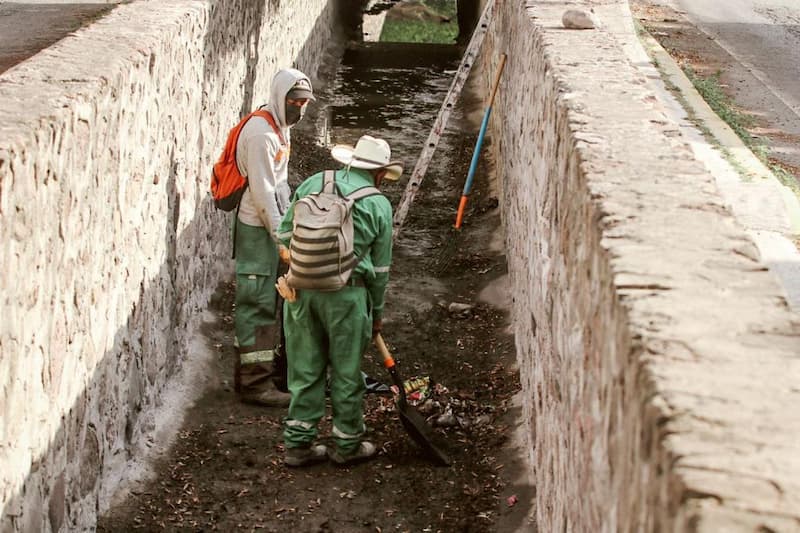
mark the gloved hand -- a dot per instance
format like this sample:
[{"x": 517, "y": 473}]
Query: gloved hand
[
  {"x": 287, "y": 293},
  {"x": 283, "y": 253},
  {"x": 377, "y": 325}
]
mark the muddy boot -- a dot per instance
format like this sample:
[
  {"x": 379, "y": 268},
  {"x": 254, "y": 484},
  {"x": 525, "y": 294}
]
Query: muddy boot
[
  {"x": 266, "y": 394},
  {"x": 306, "y": 455},
  {"x": 257, "y": 385},
  {"x": 366, "y": 450}
]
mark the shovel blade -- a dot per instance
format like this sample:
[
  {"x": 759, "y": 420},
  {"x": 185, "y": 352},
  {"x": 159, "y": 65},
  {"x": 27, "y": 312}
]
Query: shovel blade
[
  {"x": 419, "y": 430},
  {"x": 415, "y": 424}
]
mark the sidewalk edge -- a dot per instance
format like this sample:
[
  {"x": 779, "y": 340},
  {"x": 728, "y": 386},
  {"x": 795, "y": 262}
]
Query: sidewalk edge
[{"x": 722, "y": 133}]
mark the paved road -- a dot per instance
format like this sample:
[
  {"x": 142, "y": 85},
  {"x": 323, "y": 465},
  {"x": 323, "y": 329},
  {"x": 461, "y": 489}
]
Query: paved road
[
  {"x": 764, "y": 36},
  {"x": 758, "y": 51}
]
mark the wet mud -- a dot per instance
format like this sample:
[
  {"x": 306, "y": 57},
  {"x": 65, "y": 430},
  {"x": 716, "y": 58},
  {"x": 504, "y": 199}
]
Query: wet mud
[{"x": 225, "y": 470}]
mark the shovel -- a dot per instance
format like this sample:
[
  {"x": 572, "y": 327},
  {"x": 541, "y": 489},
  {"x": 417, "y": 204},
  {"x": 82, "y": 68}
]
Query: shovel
[{"x": 412, "y": 420}]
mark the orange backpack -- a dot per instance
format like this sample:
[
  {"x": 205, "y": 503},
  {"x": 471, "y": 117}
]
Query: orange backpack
[{"x": 227, "y": 183}]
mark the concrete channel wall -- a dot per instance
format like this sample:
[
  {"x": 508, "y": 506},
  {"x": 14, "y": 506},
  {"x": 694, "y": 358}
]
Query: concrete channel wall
[
  {"x": 659, "y": 359},
  {"x": 110, "y": 247}
]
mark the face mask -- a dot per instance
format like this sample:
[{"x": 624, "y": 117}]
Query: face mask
[{"x": 294, "y": 114}]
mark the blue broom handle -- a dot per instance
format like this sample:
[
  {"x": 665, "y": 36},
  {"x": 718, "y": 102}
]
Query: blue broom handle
[{"x": 476, "y": 153}]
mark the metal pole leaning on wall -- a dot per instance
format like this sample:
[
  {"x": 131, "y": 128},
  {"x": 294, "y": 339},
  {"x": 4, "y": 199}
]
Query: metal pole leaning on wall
[
  {"x": 476, "y": 153},
  {"x": 439, "y": 124}
]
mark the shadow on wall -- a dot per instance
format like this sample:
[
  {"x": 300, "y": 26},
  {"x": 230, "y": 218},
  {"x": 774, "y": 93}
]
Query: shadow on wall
[
  {"x": 324, "y": 52},
  {"x": 323, "y": 49},
  {"x": 113, "y": 420},
  {"x": 220, "y": 93},
  {"x": 97, "y": 437}
]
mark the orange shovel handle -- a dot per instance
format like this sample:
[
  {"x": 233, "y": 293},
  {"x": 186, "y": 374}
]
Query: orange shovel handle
[{"x": 388, "y": 360}]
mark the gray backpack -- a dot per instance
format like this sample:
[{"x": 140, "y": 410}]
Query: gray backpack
[{"x": 322, "y": 237}]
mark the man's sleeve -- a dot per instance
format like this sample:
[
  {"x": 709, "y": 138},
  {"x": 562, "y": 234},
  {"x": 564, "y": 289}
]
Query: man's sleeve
[
  {"x": 381, "y": 254},
  {"x": 284, "y": 232},
  {"x": 260, "y": 155},
  {"x": 287, "y": 224}
]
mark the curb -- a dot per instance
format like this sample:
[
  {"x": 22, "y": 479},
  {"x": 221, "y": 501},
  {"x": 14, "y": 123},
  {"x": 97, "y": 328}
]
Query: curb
[{"x": 719, "y": 130}]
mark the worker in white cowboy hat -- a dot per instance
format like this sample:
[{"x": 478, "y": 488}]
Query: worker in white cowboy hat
[{"x": 331, "y": 329}]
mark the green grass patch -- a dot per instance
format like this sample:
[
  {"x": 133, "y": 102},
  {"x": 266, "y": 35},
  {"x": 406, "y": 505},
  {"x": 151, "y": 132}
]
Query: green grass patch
[
  {"x": 412, "y": 30},
  {"x": 711, "y": 91}
]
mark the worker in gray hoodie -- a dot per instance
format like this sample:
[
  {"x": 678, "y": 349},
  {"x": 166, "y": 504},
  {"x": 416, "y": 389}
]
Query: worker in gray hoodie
[{"x": 262, "y": 154}]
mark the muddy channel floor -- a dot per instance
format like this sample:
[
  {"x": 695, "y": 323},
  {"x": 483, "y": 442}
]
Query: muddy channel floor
[{"x": 225, "y": 471}]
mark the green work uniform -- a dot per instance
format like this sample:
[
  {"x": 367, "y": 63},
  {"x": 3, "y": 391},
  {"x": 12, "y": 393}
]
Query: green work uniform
[
  {"x": 256, "y": 306},
  {"x": 332, "y": 329}
]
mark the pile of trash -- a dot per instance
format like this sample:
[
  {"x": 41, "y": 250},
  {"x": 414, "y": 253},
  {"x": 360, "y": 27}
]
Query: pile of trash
[{"x": 434, "y": 402}]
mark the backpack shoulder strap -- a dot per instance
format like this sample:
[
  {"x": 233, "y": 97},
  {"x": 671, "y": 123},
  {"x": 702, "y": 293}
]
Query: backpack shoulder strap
[
  {"x": 233, "y": 135},
  {"x": 363, "y": 192},
  {"x": 266, "y": 115},
  {"x": 329, "y": 181}
]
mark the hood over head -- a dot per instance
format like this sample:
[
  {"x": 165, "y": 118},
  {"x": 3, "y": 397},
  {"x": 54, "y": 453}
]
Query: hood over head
[{"x": 282, "y": 83}]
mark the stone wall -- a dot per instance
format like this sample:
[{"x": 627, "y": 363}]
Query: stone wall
[
  {"x": 110, "y": 245},
  {"x": 658, "y": 356}
]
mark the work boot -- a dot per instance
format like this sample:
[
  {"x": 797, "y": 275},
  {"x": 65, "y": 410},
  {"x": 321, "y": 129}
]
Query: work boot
[
  {"x": 304, "y": 456},
  {"x": 266, "y": 394},
  {"x": 365, "y": 451}
]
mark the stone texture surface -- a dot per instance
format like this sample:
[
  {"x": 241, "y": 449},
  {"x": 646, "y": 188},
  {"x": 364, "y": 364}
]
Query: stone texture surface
[
  {"x": 110, "y": 247},
  {"x": 660, "y": 361}
]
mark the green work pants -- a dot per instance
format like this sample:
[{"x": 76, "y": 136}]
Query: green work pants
[
  {"x": 327, "y": 330},
  {"x": 255, "y": 319}
]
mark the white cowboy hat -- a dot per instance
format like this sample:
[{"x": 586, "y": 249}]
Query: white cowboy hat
[{"x": 370, "y": 153}]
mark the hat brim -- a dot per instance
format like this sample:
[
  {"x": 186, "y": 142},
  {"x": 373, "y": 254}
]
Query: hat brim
[
  {"x": 301, "y": 93},
  {"x": 344, "y": 154}
]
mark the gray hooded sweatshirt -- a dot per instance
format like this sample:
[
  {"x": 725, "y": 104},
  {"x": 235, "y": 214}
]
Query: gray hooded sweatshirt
[{"x": 262, "y": 157}]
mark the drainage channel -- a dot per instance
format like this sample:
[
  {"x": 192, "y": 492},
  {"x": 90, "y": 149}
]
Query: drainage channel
[{"x": 446, "y": 318}]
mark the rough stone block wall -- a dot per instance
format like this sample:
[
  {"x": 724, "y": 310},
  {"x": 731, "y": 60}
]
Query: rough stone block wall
[
  {"x": 659, "y": 359},
  {"x": 110, "y": 245}
]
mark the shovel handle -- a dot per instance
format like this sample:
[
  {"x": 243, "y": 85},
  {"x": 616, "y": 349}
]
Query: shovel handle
[{"x": 388, "y": 360}]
